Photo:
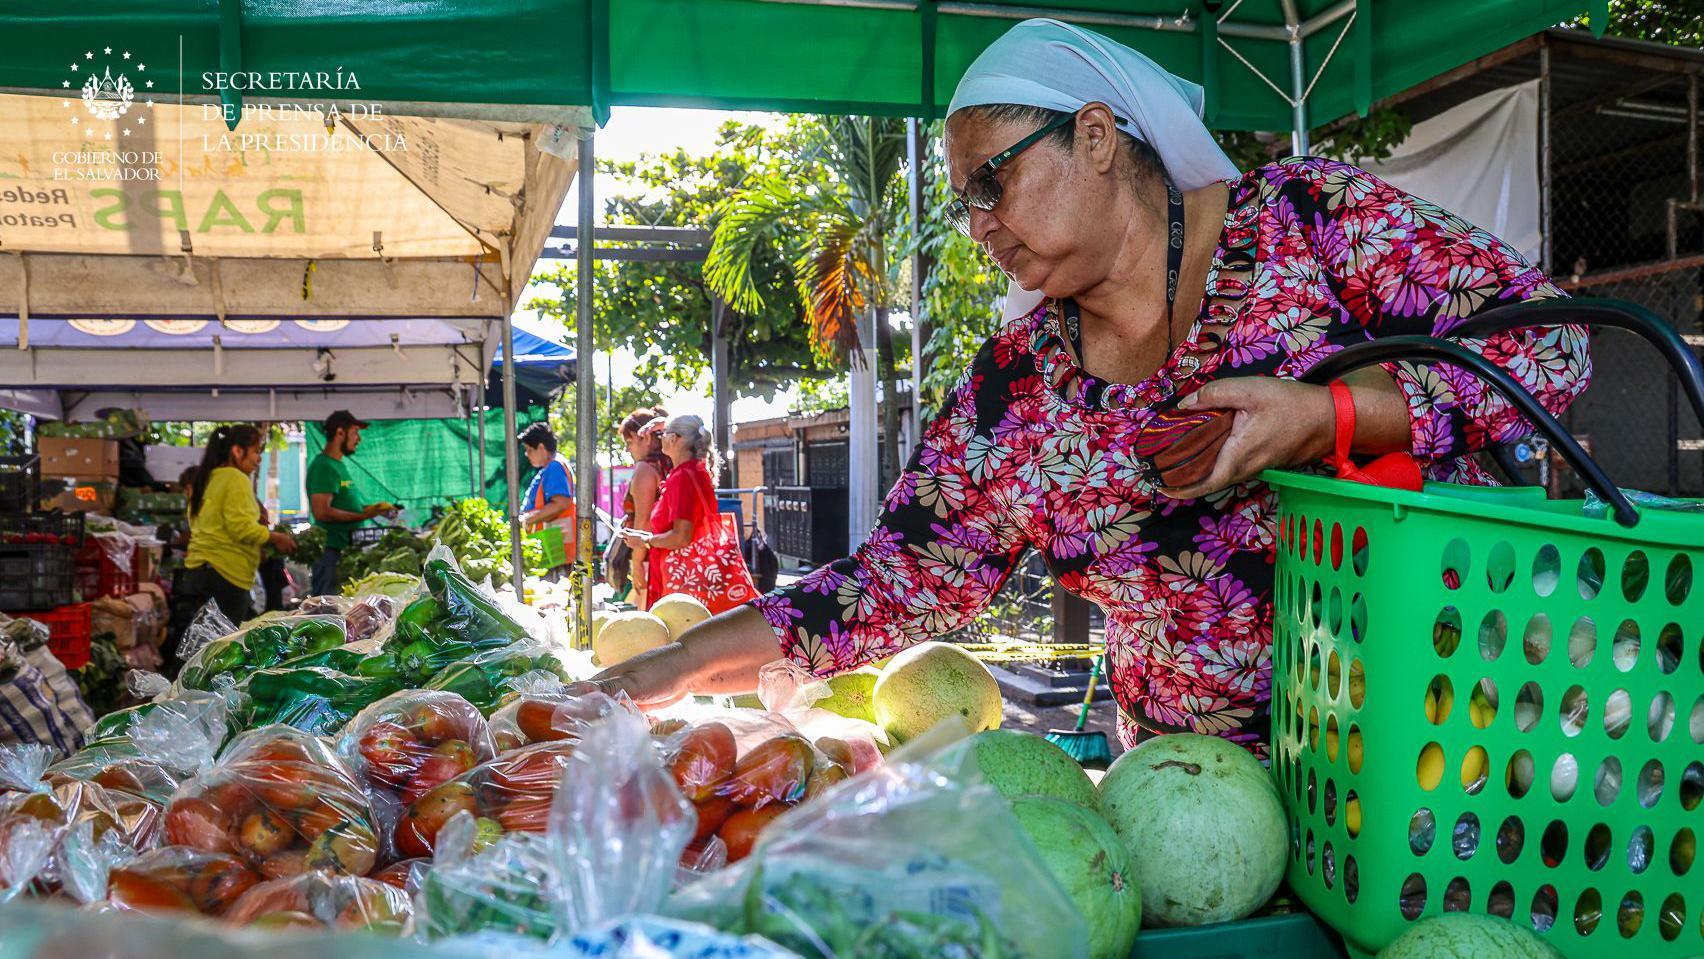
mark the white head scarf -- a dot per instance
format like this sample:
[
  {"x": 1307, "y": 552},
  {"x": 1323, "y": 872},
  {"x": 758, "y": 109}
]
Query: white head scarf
[{"x": 1056, "y": 66}]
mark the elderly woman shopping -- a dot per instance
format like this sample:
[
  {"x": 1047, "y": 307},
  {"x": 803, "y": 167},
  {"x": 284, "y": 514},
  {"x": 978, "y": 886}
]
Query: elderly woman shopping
[
  {"x": 688, "y": 548},
  {"x": 1169, "y": 290}
]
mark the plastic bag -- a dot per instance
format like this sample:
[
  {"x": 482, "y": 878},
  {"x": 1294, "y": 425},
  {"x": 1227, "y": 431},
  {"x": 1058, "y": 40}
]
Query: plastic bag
[
  {"x": 283, "y": 802},
  {"x": 489, "y": 678},
  {"x": 313, "y": 699},
  {"x": 904, "y": 861},
  {"x": 653, "y": 937},
  {"x": 38, "y": 708},
  {"x": 180, "y": 879},
  {"x": 229, "y": 659},
  {"x": 372, "y": 616},
  {"x": 318, "y": 900},
  {"x": 543, "y": 710},
  {"x": 38, "y": 807},
  {"x": 151, "y": 749},
  {"x": 461, "y": 609},
  {"x": 511, "y": 793},
  {"x": 411, "y": 742},
  {"x": 507, "y": 887}
]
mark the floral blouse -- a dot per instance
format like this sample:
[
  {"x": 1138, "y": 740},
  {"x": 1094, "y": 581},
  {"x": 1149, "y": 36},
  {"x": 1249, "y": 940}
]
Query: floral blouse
[{"x": 1030, "y": 452}]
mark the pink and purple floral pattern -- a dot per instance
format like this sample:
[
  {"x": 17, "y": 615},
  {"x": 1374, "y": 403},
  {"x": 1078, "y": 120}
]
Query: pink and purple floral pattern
[{"x": 1031, "y": 452}]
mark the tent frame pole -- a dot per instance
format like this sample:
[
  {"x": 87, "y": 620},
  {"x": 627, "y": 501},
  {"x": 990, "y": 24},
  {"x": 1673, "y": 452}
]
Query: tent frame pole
[
  {"x": 472, "y": 464},
  {"x": 585, "y": 384},
  {"x": 512, "y": 469},
  {"x": 1298, "y": 89},
  {"x": 479, "y": 414}
]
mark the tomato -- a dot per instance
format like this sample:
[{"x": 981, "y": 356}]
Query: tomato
[
  {"x": 774, "y": 771},
  {"x": 704, "y": 760},
  {"x": 526, "y": 814},
  {"x": 349, "y": 848},
  {"x": 536, "y": 718},
  {"x": 285, "y": 919},
  {"x": 392, "y": 753},
  {"x": 418, "y": 830},
  {"x": 824, "y": 776},
  {"x": 119, "y": 777},
  {"x": 283, "y": 750},
  {"x": 447, "y": 760},
  {"x": 837, "y": 751},
  {"x": 282, "y": 865},
  {"x": 147, "y": 894},
  {"x": 534, "y": 769},
  {"x": 218, "y": 882},
  {"x": 435, "y": 722},
  {"x": 43, "y": 807},
  {"x": 283, "y": 788},
  {"x": 311, "y": 823},
  {"x": 193, "y": 821},
  {"x": 400, "y": 875},
  {"x": 264, "y": 832},
  {"x": 374, "y": 909},
  {"x": 507, "y": 739},
  {"x": 664, "y": 728},
  {"x": 742, "y": 829},
  {"x": 712, "y": 813}
]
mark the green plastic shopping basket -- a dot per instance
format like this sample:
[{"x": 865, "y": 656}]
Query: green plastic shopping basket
[{"x": 1487, "y": 701}]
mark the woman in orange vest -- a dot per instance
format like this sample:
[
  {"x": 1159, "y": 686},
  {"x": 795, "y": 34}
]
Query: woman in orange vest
[{"x": 550, "y": 498}]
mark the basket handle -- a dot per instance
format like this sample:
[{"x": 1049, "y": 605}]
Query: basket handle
[
  {"x": 1389, "y": 348},
  {"x": 1595, "y": 312}
]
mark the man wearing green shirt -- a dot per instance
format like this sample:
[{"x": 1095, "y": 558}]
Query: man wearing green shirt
[{"x": 331, "y": 494}]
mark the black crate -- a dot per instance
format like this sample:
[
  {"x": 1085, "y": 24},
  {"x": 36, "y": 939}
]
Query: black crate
[
  {"x": 19, "y": 527},
  {"x": 20, "y": 483},
  {"x": 36, "y": 576}
]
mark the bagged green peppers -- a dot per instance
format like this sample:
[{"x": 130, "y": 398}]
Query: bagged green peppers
[
  {"x": 265, "y": 644},
  {"x": 469, "y": 613},
  {"x": 311, "y": 698},
  {"x": 491, "y": 677}
]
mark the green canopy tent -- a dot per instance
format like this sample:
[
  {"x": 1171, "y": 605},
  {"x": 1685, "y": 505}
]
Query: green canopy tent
[{"x": 1266, "y": 64}]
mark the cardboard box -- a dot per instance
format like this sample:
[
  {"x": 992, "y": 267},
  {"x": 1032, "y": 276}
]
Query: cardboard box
[
  {"x": 78, "y": 496},
  {"x": 78, "y": 458}
]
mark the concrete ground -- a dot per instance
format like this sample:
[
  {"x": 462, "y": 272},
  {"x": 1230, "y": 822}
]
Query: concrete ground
[{"x": 1044, "y": 719}]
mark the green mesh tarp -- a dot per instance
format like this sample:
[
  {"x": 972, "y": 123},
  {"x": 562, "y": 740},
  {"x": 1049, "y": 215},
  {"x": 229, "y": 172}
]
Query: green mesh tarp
[{"x": 423, "y": 464}]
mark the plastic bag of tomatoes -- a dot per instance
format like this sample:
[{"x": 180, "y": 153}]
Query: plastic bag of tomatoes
[
  {"x": 510, "y": 793},
  {"x": 542, "y": 710},
  {"x": 149, "y": 750},
  {"x": 281, "y": 801},
  {"x": 39, "y": 810},
  {"x": 180, "y": 880},
  {"x": 323, "y": 900},
  {"x": 410, "y": 743}
]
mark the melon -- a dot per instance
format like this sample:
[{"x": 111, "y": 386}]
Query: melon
[
  {"x": 626, "y": 635},
  {"x": 1461, "y": 935},
  {"x": 599, "y": 618},
  {"x": 1090, "y": 863},
  {"x": 1203, "y": 825},
  {"x": 852, "y": 695},
  {"x": 930, "y": 682},
  {"x": 1018, "y": 764},
  {"x": 679, "y": 612}
]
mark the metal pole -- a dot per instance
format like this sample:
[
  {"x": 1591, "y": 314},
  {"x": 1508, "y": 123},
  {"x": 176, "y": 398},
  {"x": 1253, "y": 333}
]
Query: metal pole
[
  {"x": 484, "y": 474},
  {"x": 721, "y": 393},
  {"x": 511, "y": 469},
  {"x": 1544, "y": 124},
  {"x": 917, "y": 145},
  {"x": 1299, "y": 109},
  {"x": 1692, "y": 136},
  {"x": 586, "y": 429},
  {"x": 472, "y": 466}
]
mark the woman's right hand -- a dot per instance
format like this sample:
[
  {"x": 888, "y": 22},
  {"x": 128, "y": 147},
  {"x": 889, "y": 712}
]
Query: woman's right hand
[
  {"x": 283, "y": 543},
  {"x": 652, "y": 679}
]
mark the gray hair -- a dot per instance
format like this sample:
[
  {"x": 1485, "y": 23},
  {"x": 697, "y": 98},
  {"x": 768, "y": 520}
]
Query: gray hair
[{"x": 693, "y": 429}]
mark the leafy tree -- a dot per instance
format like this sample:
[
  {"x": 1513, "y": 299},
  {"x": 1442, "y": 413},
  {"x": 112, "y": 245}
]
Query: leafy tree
[
  {"x": 837, "y": 216},
  {"x": 662, "y": 311}
]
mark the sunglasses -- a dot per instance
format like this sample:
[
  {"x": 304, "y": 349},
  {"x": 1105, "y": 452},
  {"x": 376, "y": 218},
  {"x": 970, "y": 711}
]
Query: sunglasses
[{"x": 981, "y": 190}]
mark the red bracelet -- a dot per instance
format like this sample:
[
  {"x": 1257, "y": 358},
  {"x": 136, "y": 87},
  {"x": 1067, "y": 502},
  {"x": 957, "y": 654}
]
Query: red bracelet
[
  {"x": 1343, "y": 402},
  {"x": 1394, "y": 470}
]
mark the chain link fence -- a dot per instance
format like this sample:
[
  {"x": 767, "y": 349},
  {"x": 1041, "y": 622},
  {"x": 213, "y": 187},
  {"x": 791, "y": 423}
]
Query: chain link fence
[{"x": 1626, "y": 223}]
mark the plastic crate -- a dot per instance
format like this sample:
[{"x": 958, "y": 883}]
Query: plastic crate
[
  {"x": 554, "y": 545},
  {"x": 65, "y": 529},
  {"x": 35, "y": 576},
  {"x": 70, "y": 630},
  {"x": 1294, "y": 936},
  {"x": 20, "y": 483},
  {"x": 1488, "y": 702},
  {"x": 366, "y": 536},
  {"x": 98, "y": 576}
]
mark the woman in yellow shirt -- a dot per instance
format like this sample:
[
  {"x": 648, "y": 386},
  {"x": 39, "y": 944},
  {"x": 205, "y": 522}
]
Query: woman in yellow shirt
[{"x": 226, "y": 531}]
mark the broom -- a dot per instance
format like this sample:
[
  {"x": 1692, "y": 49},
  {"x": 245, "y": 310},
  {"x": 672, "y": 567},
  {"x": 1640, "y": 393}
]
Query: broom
[{"x": 1090, "y": 750}]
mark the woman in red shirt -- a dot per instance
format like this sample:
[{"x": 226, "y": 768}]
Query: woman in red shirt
[{"x": 689, "y": 549}]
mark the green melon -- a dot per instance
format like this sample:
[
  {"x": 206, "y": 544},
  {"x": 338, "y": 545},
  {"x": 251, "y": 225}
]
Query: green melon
[
  {"x": 1090, "y": 863},
  {"x": 1203, "y": 825},
  {"x": 1460, "y": 935},
  {"x": 929, "y": 683},
  {"x": 1019, "y": 764},
  {"x": 852, "y": 695}
]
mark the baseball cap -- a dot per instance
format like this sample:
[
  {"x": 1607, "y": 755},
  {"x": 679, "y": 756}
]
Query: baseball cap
[{"x": 341, "y": 420}]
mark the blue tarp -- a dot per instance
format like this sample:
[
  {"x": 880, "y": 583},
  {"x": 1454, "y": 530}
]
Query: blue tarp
[{"x": 545, "y": 365}]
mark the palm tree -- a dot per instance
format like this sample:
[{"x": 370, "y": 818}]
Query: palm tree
[{"x": 834, "y": 213}]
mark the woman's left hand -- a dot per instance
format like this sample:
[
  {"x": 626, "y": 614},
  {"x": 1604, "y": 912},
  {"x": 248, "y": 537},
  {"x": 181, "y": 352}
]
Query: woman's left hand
[{"x": 1277, "y": 423}]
